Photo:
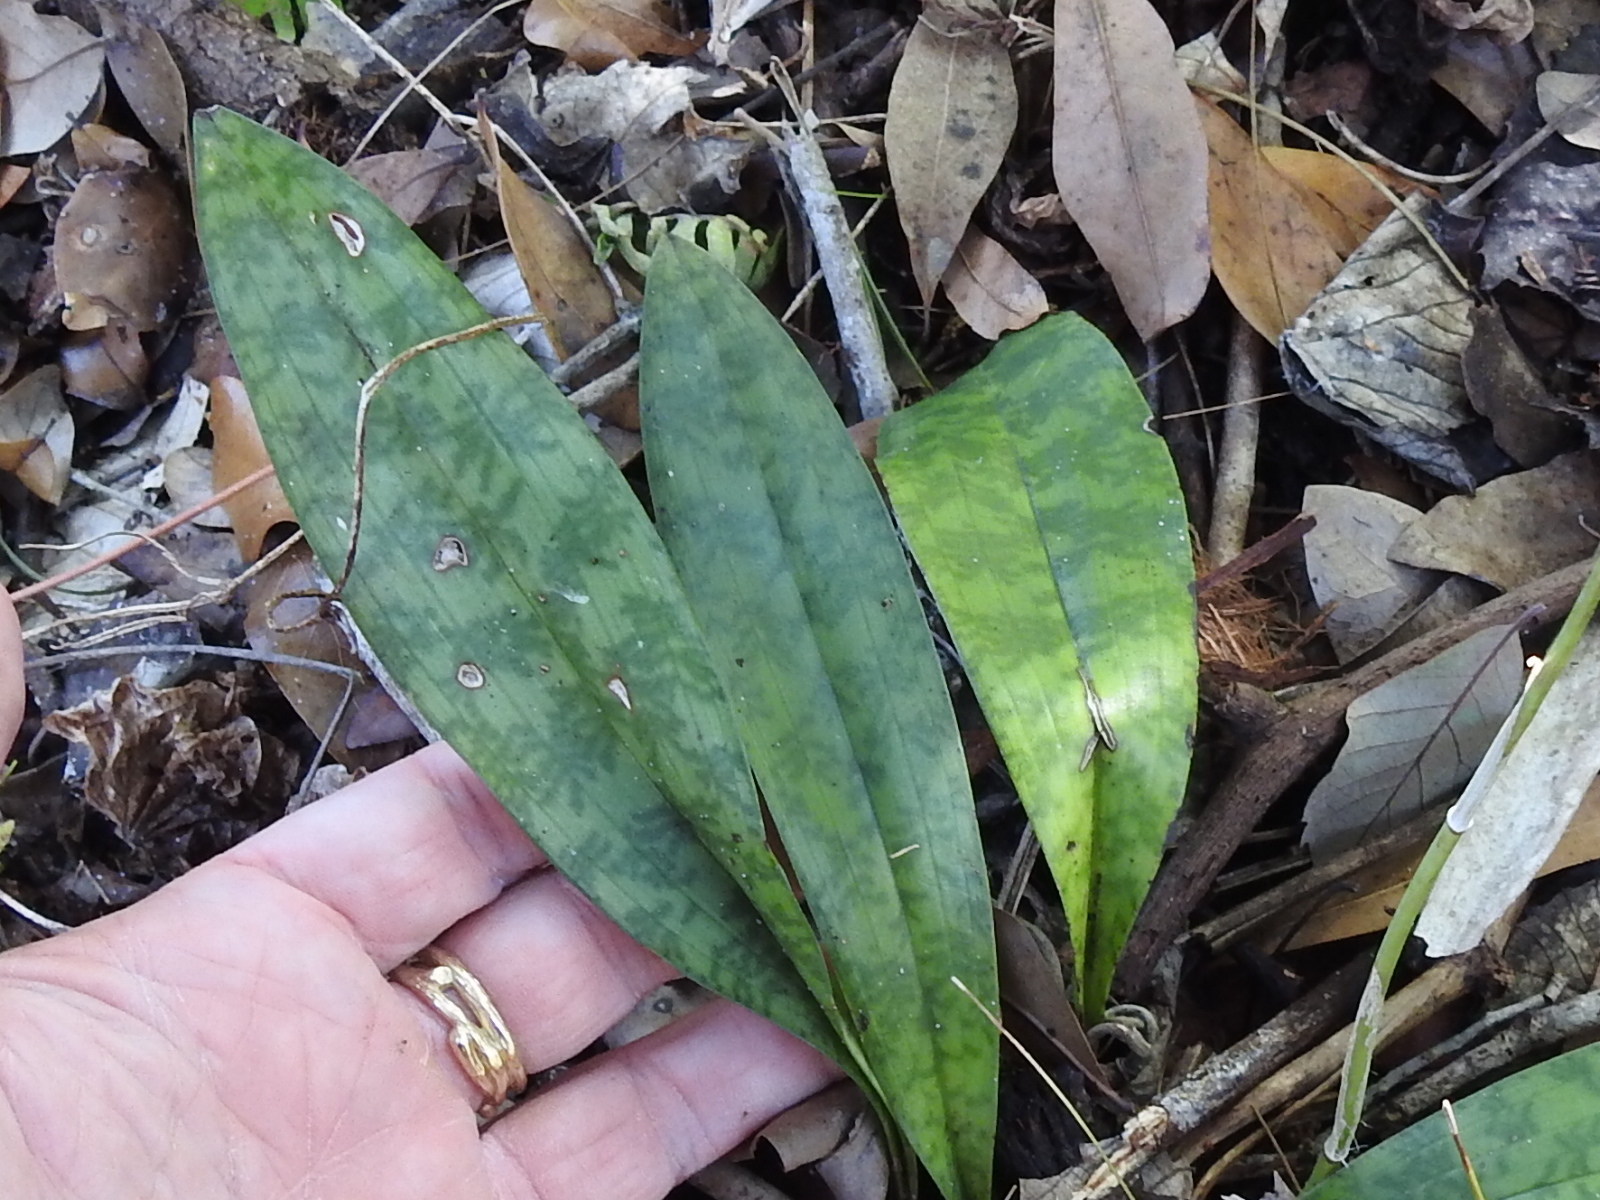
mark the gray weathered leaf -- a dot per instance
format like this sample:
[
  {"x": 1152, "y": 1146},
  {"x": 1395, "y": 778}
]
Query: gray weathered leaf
[
  {"x": 1524, "y": 812},
  {"x": 1130, "y": 157},
  {"x": 1415, "y": 739},
  {"x": 952, "y": 109}
]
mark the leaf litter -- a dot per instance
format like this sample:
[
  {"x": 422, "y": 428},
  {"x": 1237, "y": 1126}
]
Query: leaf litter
[{"x": 1459, "y": 414}]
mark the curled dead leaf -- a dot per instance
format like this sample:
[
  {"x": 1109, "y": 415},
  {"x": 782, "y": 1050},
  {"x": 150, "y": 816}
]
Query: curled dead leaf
[
  {"x": 990, "y": 289},
  {"x": 105, "y": 366}
]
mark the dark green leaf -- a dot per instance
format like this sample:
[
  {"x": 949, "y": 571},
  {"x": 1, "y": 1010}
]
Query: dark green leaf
[
  {"x": 793, "y": 567},
  {"x": 1529, "y": 1135},
  {"x": 1048, "y": 521},
  {"x": 561, "y": 661}
]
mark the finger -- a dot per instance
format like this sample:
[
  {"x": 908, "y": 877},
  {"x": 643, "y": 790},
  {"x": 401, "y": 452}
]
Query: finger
[
  {"x": 633, "y": 1123},
  {"x": 402, "y": 854},
  {"x": 559, "y": 971},
  {"x": 13, "y": 696}
]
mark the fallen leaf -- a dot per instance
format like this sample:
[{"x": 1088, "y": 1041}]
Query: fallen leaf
[
  {"x": 279, "y": 623},
  {"x": 1489, "y": 79},
  {"x": 1508, "y": 20},
  {"x": 1529, "y": 801},
  {"x": 556, "y": 262},
  {"x": 952, "y": 110},
  {"x": 120, "y": 250},
  {"x": 1360, "y": 207},
  {"x": 634, "y": 104},
  {"x": 36, "y": 434},
  {"x": 148, "y": 79},
  {"x": 1568, "y": 101},
  {"x": 186, "y": 475},
  {"x": 1349, "y": 569},
  {"x": 990, "y": 290},
  {"x": 1380, "y": 350},
  {"x": 238, "y": 451},
  {"x": 12, "y": 177},
  {"x": 417, "y": 184},
  {"x": 1515, "y": 529},
  {"x": 1529, "y": 423},
  {"x": 50, "y": 68},
  {"x": 1413, "y": 740},
  {"x": 728, "y": 17},
  {"x": 106, "y": 366},
  {"x": 1540, "y": 228},
  {"x": 1203, "y": 61},
  {"x": 1130, "y": 157},
  {"x": 597, "y": 33},
  {"x": 1271, "y": 242},
  {"x": 163, "y": 758}
]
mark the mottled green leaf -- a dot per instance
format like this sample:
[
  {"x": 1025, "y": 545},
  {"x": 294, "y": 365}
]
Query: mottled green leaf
[
  {"x": 1048, "y": 521},
  {"x": 792, "y": 565},
  {"x": 1529, "y": 1135},
  {"x": 561, "y": 660}
]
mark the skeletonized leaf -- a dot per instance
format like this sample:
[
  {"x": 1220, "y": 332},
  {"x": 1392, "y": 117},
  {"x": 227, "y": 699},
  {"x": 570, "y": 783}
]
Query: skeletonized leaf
[
  {"x": 1521, "y": 817},
  {"x": 1271, "y": 244},
  {"x": 1129, "y": 156},
  {"x": 597, "y": 33},
  {"x": 952, "y": 109},
  {"x": 1050, "y": 527},
  {"x": 990, "y": 290},
  {"x": 1413, "y": 740},
  {"x": 505, "y": 576},
  {"x": 795, "y": 573}
]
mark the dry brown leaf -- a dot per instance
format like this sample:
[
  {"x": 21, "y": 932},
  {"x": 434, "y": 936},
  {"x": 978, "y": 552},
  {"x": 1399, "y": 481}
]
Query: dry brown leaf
[
  {"x": 12, "y": 177},
  {"x": 237, "y": 451},
  {"x": 106, "y": 366},
  {"x": 952, "y": 110},
  {"x": 1271, "y": 246},
  {"x": 1360, "y": 207},
  {"x": 281, "y": 624},
  {"x": 1129, "y": 156},
  {"x": 164, "y": 758},
  {"x": 597, "y": 33},
  {"x": 50, "y": 71},
  {"x": 555, "y": 261},
  {"x": 36, "y": 434},
  {"x": 120, "y": 250},
  {"x": 148, "y": 78},
  {"x": 417, "y": 184},
  {"x": 990, "y": 289}
]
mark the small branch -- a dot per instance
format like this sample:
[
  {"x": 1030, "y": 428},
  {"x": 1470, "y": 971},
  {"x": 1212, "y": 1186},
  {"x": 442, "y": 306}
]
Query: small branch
[{"x": 1241, "y": 431}]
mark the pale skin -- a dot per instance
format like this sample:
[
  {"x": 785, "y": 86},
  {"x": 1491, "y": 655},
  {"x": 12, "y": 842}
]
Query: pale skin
[{"x": 235, "y": 1034}]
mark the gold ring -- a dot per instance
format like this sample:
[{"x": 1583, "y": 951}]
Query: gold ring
[{"x": 478, "y": 1038}]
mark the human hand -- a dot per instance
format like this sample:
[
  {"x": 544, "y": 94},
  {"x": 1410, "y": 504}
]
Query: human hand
[{"x": 235, "y": 1034}]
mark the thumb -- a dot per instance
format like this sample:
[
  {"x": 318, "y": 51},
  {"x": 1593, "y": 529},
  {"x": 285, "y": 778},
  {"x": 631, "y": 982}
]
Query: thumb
[{"x": 13, "y": 695}]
